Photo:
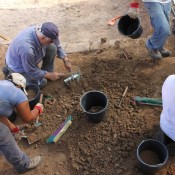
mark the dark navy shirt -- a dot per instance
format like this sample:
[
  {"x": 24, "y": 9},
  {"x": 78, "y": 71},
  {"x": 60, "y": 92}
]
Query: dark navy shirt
[{"x": 25, "y": 52}]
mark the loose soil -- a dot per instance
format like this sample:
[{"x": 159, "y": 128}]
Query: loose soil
[
  {"x": 109, "y": 147},
  {"x": 150, "y": 157},
  {"x": 95, "y": 109},
  {"x": 31, "y": 94}
]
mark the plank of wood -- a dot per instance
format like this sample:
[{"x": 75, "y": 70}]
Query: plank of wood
[{"x": 36, "y": 136}]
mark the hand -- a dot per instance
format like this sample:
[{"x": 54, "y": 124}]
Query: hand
[
  {"x": 40, "y": 107},
  {"x": 55, "y": 76},
  {"x": 15, "y": 130},
  {"x": 67, "y": 64},
  {"x": 133, "y": 11}
]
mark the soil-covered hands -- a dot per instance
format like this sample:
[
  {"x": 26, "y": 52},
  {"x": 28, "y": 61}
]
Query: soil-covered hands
[
  {"x": 133, "y": 11},
  {"x": 67, "y": 64}
]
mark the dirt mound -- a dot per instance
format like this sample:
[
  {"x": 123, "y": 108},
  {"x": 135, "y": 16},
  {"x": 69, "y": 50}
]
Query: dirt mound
[{"x": 108, "y": 147}]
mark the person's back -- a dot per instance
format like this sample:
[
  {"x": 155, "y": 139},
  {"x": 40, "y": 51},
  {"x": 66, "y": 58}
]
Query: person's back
[
  {"x": 13, "y": 95},
  {"x": 167, "y": 118},
  {"x": 10, "y": 96},
  {"x": 22, "y": 47}
]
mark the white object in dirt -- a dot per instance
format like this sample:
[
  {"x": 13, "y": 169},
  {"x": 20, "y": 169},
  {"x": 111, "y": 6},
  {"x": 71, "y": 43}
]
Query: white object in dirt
[{"x": 72, "y": 77}]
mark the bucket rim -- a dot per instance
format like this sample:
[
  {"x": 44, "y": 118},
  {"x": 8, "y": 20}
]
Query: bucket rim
[
  {"x": 138, "y": 28},
  {"x": 90, "y": 92},
  {"x": 156, "y": 165},
  {"x": 37, "y": 90}
]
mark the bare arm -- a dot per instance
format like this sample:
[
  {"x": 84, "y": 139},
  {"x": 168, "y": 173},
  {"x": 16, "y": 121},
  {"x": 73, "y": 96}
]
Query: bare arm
[
  {"x": 7, "y": 122},
  {"x": 25, "y": 113},
  {"x": 67, "y": 63}
]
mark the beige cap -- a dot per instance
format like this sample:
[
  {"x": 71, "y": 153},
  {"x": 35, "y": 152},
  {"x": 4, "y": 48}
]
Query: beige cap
[{"x": 19, "y": 80}]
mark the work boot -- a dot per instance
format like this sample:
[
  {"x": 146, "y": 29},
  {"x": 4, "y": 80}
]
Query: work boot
[
  {"x": 34, "y": 162},
  {"x": 165, "y": 52},
  {"x": 155, "y": 54}
]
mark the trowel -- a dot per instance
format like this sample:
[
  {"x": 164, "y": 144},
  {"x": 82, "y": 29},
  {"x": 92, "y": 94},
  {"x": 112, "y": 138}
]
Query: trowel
[
  {"x": 74, "y": 75},
  {"x": 37, "y": 123}
]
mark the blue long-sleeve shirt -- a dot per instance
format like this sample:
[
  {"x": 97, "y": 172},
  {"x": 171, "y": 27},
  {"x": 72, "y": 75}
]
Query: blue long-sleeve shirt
[{"x": 25, "y": 52}]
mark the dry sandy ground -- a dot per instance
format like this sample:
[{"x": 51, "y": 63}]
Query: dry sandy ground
[
  {"x": 107, "y": 148},
  {"x": 82, "y": 23}
]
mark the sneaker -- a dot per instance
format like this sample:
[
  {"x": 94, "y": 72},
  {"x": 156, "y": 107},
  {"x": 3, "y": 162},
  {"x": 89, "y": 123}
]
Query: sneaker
[
  {"x": 164, "y": 52},
  {"x": 34, "y": 162},
  {"x": 155, "y": 54}
]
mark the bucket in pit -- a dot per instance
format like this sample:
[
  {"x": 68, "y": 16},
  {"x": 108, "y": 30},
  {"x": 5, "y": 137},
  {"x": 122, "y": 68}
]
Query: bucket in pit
[
  {"x": 152, "y": 155},
  {"x": 94, "y": 105},
  {"x": 33, "y": 95}
]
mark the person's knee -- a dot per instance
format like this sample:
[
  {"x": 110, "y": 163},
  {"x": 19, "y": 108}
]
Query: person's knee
[
  {"x": 52, "y": 48},
  {"x": 42, "y": 83}
]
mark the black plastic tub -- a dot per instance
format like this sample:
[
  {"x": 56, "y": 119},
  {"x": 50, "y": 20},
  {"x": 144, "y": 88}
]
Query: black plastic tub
[
  {"x": 157, "y": 148},
  {"x": 36, "y": 90},
  {"x": 130, "y": 27},
  {"x": 94, "y": 99}
]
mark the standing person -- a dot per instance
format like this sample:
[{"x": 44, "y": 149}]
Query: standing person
[
  {"x": 12, "y": 95},
  {"x": 159, "y": 13},
  {"x": 167, "y": 117},
  {"x": 29, "y": 48}
]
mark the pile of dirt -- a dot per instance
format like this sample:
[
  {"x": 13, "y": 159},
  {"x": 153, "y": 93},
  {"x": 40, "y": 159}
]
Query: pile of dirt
[{"x": 108, "y": 147}]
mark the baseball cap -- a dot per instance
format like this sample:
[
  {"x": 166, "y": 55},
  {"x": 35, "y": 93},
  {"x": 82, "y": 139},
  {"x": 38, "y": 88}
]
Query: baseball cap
[
  {"x": 19, "y": 80},
  {"x": 50, "y": 30}
]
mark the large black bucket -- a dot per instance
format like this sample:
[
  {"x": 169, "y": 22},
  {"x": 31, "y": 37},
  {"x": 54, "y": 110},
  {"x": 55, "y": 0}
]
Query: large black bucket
[
  {"x": 94, "y": 99},
  {"x": 36, "y": 90},
  {"x": 130, "y": 27},
  {"x": 152, "y": 155}
]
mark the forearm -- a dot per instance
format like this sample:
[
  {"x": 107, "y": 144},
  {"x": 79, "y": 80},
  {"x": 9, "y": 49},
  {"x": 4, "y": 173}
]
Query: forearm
[
  {"x": 49, "y": 76},
  {"x": 8, "y": 123},
  {"x": 25, "y": 113},
  {"x": 60, "y": 52}
]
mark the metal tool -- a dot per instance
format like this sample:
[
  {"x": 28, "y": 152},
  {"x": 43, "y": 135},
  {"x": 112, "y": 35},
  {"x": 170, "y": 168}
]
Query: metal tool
[
  {"x": 72, "y": 77},
  {"x": 123, "y": 95},
  {"x": 37, "y": 123},
  {"x": 75, "y": 74}
]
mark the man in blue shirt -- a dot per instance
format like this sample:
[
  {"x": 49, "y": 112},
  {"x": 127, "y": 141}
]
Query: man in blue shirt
[{"x": 29, "y": 48}]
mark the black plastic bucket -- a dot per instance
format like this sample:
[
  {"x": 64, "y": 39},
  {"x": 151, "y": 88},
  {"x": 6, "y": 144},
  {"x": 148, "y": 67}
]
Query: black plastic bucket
[
  {"x": 130, "y": 27},
  {"x": 150, "y": 149},
  {"x": 36, "y": 90},
  {"x": 93, "y": 99}
]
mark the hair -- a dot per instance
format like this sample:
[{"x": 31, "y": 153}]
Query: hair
[
  {"x": 40, "y": 34},
  {"x": 9, "y": 77}
]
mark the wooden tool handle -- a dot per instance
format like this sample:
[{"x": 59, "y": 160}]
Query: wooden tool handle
[
  {"x": 3, "y": 37},
  {"x": 41, "y": 98},
  {"x": 40, "y": 101},
  {"x": 124, "y": 93}
]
